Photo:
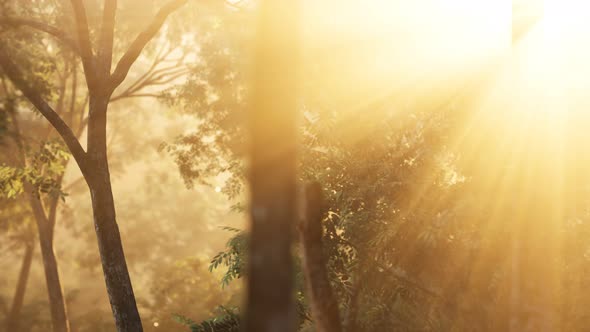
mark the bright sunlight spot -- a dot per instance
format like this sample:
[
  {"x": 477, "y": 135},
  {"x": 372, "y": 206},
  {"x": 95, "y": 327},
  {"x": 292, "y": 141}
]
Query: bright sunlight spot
[{"x": 564, "y": 11}]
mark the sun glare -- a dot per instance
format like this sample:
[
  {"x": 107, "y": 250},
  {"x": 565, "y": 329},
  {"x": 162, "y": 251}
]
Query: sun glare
[
  {"x": 402, "y": 46},
  {"x": 550, "y": 62},
  {"x": 566, "y": 11}
]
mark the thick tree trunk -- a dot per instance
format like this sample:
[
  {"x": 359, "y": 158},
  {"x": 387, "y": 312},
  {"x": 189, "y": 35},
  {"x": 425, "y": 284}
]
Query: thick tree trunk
[
  {"x": 114, "y": 265},
  {"x": 13, "y": 319},
  {"x": 112, "y": 257},
  {"x": 57, "y": 304},
  {"x": 270, "y": 299}
]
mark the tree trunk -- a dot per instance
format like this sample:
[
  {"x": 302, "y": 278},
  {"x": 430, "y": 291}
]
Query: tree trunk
[
  {"x": 270, "y": 300},
  {"x": 324, "y": 306},
  {"x": 351, "y": 323},
  {"x": 45, "y": 226},
  {"x": 59, "y": 316},
  {"x": 114, "y": 265},
  {"x": 13, "y": 318}
]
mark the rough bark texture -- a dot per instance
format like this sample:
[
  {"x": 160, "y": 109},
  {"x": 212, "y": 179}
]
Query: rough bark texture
[
  {"x": 13, "y": 319},
  {"x": 324, "y": 307},
  {"x": 114, "y": 265},
  {"x": 270, "y": 299}
]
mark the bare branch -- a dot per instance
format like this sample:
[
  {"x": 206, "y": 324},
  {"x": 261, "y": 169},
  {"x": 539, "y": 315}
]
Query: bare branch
[
  {"x": 134, "y": 95},
  {"x": 44, "y": 27},
  {"x": 170, "y": 77},
  {"x": 17, "y": 78},
  {"x": 105, "y": 44},
  {"x": 141, "y": 41},
  {"x": 153, "y": 78},
  {"x": 235, "y": 4},
  {"x": 163, "y": 53},
  {"x": 84, "y": 41}
]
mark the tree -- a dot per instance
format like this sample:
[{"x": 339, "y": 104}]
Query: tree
[
  {"x": 324, "y": 309},
  {"x": 38, "y": 173},
  {"x": 93, "y": 163},
  {"x": 17, "y": 234},
  {"x": 270, "y": 304},
  {"x": 373, "y": 173}
]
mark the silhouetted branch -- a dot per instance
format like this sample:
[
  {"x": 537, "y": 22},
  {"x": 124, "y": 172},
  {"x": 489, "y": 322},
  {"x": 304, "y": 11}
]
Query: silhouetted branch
[
  {"x": 44, "y": 27},
  {"x": 156, "y": 76},
  {"x": 14, "y": 74},
  {"x": 141, "y": 41},
  {"x": 84, "y": 41},
  {"x": 138, "y": 95},
  {"x": 105, "y": 44}
]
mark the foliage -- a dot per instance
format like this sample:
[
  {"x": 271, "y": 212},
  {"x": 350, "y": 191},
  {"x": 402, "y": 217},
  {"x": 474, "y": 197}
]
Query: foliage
[
  {"x": 374, "y": 173},
  {"x": 232, "y": 258},
  {"x": 44, "y": 171},
  {"x": 227, "y": 320}
]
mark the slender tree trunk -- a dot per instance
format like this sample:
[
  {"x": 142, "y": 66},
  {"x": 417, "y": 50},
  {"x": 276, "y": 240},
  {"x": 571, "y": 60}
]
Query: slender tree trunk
[
  {"x": 13, "y": 319},
  {"x": 114, "y": 265},
  {"x": 57, "y": 304},
  {"x": 324, "y": 305},
  {"x": 351, "y": 323},
  {"x": 45, "y": 226}
]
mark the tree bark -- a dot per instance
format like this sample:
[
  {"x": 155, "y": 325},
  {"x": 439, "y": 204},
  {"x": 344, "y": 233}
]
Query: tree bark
[
  {"x": 324, "y": 306},
  {"x": 114, "y": 265},
  {"x": 45, "y": 226},
  {"x": 351, "y": 320},
  {"x": 13, "y": 319},
  {"x": 57, "y": 304}
]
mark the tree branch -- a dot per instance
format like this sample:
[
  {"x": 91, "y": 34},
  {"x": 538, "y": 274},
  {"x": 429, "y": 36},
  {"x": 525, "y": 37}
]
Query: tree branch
[
  {"x": 154, "y": 75},
  {"x": 134, "y": 95},
  {"x": 14, "y": 74},
  {"x": 162, "y": 79},
  {"x": 105, "y": 44},
  {"x": 141, "y": 41},
  {"x": 55, "y": 32},
  {"x": 160, "y": 57},
  {"x": 53, "y": 202},
  {"x": 84, "y": 41},
  {"x": 234, "y": 4}
]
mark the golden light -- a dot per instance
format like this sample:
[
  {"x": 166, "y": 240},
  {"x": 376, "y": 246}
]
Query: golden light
[
  {"x": 566, "y": 11},
  {"x": 370, "y": 49},
  {"x": 550, "y": 61}
]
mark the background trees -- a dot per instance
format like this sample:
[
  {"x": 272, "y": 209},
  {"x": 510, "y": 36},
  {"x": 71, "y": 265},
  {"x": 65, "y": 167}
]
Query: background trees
[{"x": 93, "y": 162}]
